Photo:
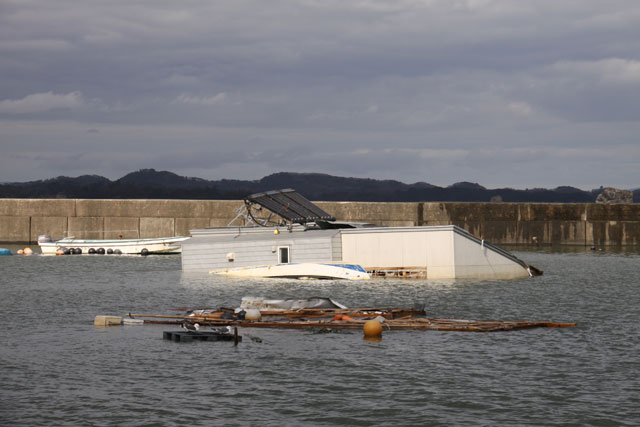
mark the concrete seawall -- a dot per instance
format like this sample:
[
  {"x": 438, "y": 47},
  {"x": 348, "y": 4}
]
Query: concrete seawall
[{"x": 22, "y": 220}]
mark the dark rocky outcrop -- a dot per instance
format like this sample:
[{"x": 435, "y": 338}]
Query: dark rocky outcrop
[{"x": 615, "y": 196}]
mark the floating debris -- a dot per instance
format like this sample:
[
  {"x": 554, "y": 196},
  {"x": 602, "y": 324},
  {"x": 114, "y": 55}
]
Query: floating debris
[
  {"x": 399, "y": 272},
  {"x": 333, "y": 319},
  {"x": 320, "y": 315},
  {"x": 191, "y": 331},
  {"x": 180, "y": 336}
]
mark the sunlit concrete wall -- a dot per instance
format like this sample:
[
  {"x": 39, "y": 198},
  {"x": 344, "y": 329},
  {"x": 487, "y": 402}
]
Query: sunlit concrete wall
[
  {"x": 585, "y": 224},
  {"x": 22, "y": 220}
]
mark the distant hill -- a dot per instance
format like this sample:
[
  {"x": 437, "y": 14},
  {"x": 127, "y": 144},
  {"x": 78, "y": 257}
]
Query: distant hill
[{"x": 152, "y": 184}]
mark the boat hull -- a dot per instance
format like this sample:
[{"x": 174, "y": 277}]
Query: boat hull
[
  {"x": 125, "y": 246},
  {"x": 298, "y": 271}
]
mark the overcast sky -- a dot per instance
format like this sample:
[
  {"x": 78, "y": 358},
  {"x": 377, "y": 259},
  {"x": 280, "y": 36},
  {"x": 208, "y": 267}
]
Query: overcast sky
[{"x": 504, "y": 93}]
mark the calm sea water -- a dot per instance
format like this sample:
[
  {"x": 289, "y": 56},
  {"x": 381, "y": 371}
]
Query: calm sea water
[{"x": 57, "y": 369}]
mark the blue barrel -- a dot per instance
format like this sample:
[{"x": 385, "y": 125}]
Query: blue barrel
[{"x": 4, "y": 251}]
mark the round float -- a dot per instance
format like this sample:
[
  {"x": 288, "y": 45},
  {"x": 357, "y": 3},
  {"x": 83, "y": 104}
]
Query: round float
[{"x": 372, "y": 328}]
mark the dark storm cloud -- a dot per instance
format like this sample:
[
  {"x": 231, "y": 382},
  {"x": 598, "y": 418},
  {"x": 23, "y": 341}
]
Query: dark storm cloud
[{"x": 437, "y": 91}]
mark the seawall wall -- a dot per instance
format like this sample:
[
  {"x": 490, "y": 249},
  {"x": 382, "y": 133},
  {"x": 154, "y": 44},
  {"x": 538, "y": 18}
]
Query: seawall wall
[{"x": 23, "y": 220}]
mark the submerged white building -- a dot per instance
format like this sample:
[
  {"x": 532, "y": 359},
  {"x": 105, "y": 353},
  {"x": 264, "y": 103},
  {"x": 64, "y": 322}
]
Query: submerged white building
[{"x": 309, "y": 235}]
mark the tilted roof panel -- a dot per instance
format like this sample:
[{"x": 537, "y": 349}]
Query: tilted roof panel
[{"x": 290, "y": 205}]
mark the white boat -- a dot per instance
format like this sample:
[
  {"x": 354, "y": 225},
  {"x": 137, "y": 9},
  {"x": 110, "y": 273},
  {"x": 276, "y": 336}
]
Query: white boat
[
  {"x": 163, "y": 245},
  {"x": 304, "y": 270}
]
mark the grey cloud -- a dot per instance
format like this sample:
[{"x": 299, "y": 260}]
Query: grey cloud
[
  {"x": 38, "y": 102},
  {"x": 412, "y": 90}
]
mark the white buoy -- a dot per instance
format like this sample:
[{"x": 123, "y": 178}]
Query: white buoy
[{"x": 252, "y": 314}]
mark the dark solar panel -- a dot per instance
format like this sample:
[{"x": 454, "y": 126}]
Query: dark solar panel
[{"x": 290, "y": 205}]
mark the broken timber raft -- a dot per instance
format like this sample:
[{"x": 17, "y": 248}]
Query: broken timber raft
[{"x": 394, "y": 319}]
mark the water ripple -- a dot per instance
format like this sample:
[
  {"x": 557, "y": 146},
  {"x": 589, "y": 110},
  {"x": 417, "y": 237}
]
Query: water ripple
[{"x": 60, "y": 370}]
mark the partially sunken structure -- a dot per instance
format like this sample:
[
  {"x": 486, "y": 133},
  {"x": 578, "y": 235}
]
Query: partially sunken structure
[{"x": 280, "y": 227}]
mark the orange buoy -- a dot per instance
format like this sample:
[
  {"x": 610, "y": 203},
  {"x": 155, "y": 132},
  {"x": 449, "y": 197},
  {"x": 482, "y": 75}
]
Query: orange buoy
[{"x": 372, "y": 328}]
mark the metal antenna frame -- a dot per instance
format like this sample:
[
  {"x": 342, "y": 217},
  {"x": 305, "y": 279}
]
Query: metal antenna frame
[
  {"x": 262, "y": 222},
  {"x": 246, "y": 212},
  {"x": 285, "y": 204}
]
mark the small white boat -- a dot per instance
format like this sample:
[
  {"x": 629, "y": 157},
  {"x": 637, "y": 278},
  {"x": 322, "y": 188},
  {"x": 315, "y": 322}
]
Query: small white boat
[
  {"x": 161, "y": 245},
  {"x": 305, "y": 270}
]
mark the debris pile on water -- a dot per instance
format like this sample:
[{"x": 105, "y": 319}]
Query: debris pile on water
[{"x": 334, "y": 317}]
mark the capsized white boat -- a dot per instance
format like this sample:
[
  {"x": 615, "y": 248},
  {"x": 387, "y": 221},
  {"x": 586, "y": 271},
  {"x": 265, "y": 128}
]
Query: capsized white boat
[
  {"x": 158, "y": 245},
  {"x": 269, "y": 304},
  {"x": 304, "y": 270}
]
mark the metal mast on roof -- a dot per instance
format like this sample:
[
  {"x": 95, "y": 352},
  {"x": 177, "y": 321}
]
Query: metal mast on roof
[{"x": 287, "y": 204}]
